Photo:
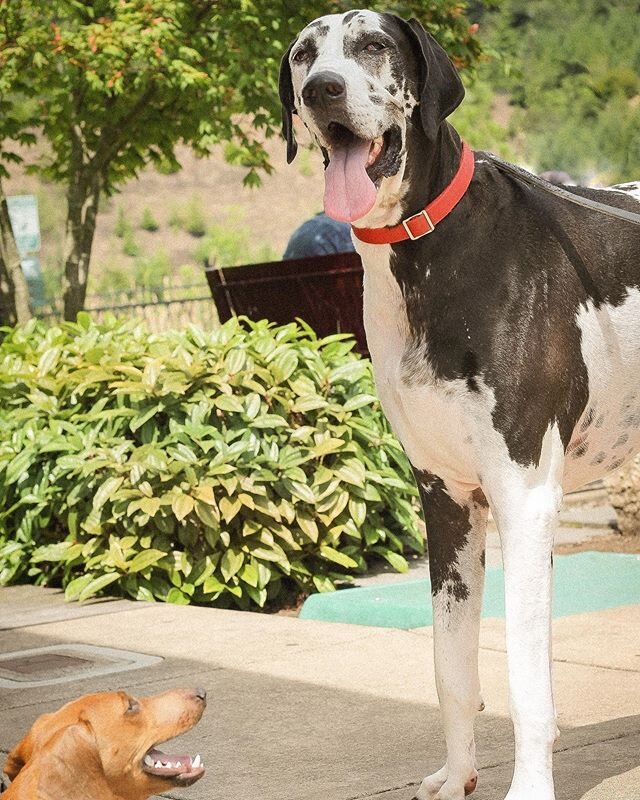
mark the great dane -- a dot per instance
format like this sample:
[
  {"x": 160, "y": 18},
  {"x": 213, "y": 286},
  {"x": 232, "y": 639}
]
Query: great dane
[{"x": 504, "y": 327}]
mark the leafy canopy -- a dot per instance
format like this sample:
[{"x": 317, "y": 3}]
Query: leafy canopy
[
  {"x": 132, "y": 78},
  {"x": 576, "y": 83}
]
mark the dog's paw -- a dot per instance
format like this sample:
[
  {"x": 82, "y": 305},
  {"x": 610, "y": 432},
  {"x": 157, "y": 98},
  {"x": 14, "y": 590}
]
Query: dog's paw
[
  {"x": 441, "y": 786},
  {"x": 431, "y": 785}
]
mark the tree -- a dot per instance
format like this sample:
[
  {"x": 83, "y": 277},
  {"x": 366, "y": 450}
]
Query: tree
[
  {"x": 14, "y": 128},
  {"x": 114, "y": 84},
  {"x": 576, "y": 83},
  {"x": 14, "y": 293}
]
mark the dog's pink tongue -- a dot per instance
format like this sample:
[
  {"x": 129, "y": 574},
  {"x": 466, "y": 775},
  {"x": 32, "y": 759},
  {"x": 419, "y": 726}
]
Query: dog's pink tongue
[{"x": 349, "y": 193}]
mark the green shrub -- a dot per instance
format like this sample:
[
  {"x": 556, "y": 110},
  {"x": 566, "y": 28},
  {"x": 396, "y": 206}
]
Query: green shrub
[
  {"x": 232, "y": 467},
  {"x": 194, "y": 218},
  {"x": 305, "y": 164},
  {"x": 112, "y": 277},
  {"x": 176, "y": 218},
  {"x": 151, "y": 271},
  {"x": 130, "y": 246},
  {"x": 225, "y": 246},
  {"x": 148, "y": 221},
  {"x": 122, "y": 226}
]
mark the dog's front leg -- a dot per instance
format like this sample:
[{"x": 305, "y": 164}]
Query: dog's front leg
[
  {"x": 456, "y": 537},
  {"x": 527, "y": 522}
]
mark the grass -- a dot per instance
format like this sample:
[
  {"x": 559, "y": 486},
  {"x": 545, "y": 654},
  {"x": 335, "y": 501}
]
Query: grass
[
  {"x": 130, "y": 247},
  {"x": 148, "y": 221}
]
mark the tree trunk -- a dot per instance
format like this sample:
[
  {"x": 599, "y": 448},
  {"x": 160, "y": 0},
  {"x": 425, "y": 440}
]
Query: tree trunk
[
  {"x": 624, "y": 495},
  {"x": 14, "y": 292},
  {"x": 83, "y": 198}
]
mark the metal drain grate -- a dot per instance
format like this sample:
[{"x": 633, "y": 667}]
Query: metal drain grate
[{"x": 67, "y": 662}]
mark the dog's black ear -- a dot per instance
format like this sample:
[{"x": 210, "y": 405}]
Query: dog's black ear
[
  {"x": 285, "y": 88},
  {"x": 440, "y": 87}
]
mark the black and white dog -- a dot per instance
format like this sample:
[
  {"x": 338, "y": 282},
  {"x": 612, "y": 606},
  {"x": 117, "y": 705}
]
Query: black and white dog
[{"x": 505, "y": 344}]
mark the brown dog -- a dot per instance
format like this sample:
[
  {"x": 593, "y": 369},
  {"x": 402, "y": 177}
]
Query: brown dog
[{"x": 103, "y": 747}]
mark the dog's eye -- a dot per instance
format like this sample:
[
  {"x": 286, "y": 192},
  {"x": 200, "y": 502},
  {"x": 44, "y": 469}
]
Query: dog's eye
[
  {"x": 133, "y": 706},
  {"x": 299, "y": 56},
  {"x": 374, "y": 47}
]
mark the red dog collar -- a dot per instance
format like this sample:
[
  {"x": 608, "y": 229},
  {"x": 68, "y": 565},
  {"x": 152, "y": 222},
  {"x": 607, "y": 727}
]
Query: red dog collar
[{"x": 426, "y": 220}]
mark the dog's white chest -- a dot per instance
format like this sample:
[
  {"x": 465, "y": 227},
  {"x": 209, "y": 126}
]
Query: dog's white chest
[{"x": 431, "y": 418}]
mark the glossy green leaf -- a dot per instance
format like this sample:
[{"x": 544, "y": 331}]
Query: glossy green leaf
[
  {"x": 144, "y": 560},
  {"x": 106, "y": 492},
  {"x": 331, "y": 554},
  {"x": 230, "y": 563},
  {"x": 182, "y": 506}
]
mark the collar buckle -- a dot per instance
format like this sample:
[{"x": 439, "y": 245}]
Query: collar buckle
[{"x": 429, "y": 229}]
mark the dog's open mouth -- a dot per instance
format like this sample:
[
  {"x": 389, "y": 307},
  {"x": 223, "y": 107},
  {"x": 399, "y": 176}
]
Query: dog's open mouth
[
  {"x": 355, "y": 169},
  {"x": 183, "y": 770}
]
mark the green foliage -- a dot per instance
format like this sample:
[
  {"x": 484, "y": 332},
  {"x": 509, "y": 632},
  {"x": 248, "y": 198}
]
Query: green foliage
[
  {"x": 122, "y": 226},
  {"x": 176, "y": 218},
  {"x": 476, "y": 123},
  {"x": 190, "y": 274},
  {"x": 167, "y": 167},
  {"x": 113, "y": 278},
  {"x": 225, "y": 246},
  {"x": 195, "y": 223},
  {"x": 137, "y": 77},
  {"x": 305, "y": 165},
  {"x": 576, "y": 82},
  {"x": 230, "y": 467},
  {"x": 130, "y": 246},
  {"x": 151, "y": 272},
  {"x": 227, "y": 243},
  {"x": 148, "y": 221},
  {"x": 266, "y": 253},
  {"x": 189, "y": 217}
]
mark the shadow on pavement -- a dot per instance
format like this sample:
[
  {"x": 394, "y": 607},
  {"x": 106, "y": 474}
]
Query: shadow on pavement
[{"x": 273, "y": 739}]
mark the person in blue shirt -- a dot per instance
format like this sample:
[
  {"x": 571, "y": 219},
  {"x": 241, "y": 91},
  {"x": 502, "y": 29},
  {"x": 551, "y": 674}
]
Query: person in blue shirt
[{"x": 319, "y": 236}]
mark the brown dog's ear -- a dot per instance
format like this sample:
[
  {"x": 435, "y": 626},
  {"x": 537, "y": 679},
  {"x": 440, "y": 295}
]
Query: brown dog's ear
[
  {"x": 20, "y": 754},
  {"x": 13, "y": 764},
  {"x": 285, "y": 89},
  {"x": 69, "y": 766},
  {"x": 65, "y": 765},
  {"x": 440, "y": 87}
]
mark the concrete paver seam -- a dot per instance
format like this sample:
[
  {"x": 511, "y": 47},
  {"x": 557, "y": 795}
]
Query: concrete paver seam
[
  {"x": 384, "y": 791},
  {"x": 614, "y": 738},
  {"x": 596, "y": 666},
  {"x": 574, "y": 663}
]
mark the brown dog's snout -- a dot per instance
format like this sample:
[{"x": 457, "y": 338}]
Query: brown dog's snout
[
  {"x": 201, "y": 694},
  {"x": 323, "y": 88}
]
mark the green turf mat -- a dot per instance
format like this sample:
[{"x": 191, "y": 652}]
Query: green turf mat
[{"x": 582, "y": 582}]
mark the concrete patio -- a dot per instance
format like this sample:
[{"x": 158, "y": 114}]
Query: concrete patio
[{"x": 329, "y": 711}]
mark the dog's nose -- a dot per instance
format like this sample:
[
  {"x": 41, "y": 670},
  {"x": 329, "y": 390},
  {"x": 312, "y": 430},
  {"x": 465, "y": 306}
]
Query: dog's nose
[
  {"x": 322, "y": 88},
  {"x": 200, "y": 693}
]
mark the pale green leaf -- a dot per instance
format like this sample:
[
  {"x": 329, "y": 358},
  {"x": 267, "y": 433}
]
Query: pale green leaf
[{"x": 144, "y": 559}]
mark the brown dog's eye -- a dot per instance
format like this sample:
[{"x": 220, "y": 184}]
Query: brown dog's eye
[
  {"x": 374, "y": 47},
  {"x": 133, "y": 706}
]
